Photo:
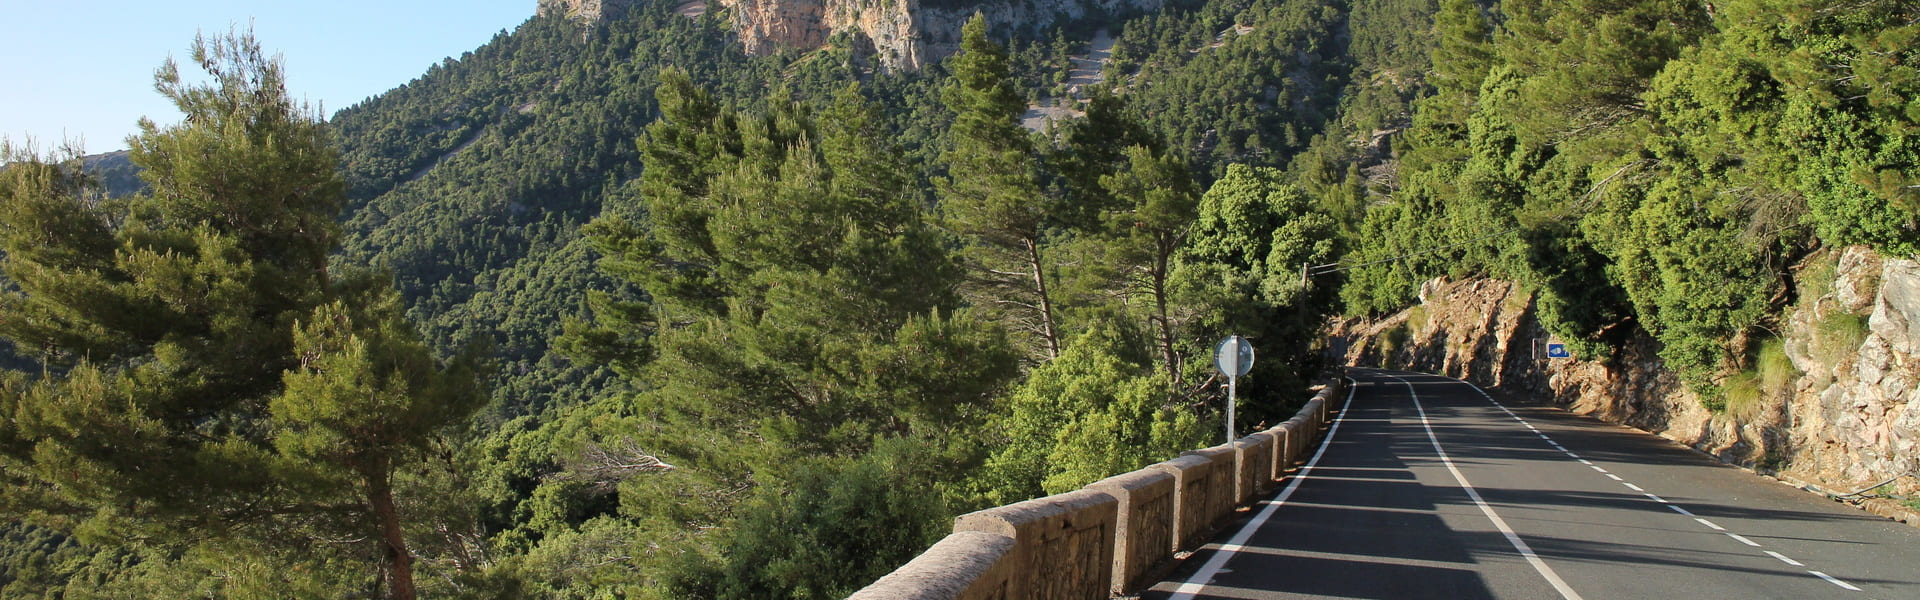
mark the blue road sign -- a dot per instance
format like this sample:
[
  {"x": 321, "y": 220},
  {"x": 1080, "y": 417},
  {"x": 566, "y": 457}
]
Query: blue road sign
[{"x": 1558, "y": 351}]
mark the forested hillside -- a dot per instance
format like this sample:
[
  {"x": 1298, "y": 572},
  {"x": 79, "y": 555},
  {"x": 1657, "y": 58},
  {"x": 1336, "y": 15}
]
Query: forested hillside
[{"x": 759, "y": 326}]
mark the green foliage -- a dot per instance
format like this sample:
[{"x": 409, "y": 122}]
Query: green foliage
[
  {"x": 837, "y": 526},
  {"x": 471, "y": 182},
  {"x": 1087, "y": 415},
  {"x": 1837, "y": 336},
  {"x": 1237, "y": 82},
  {"x": 169, "y": 309},
  {"x": 1417, "y": 317},
  {"x": 815, "y": 324},
  {"x": 1464, "y": 49},
  {"x": 367, "y": 390},
  {"x": 1240, "y": 275},
  {"x": 991, "y": 192},
  {"x": 1742, "y": 396},
  {"x": 796, "y": 293},
  {"x": 991, "y": 197},
  {"x": 219, "y": 570},
  {"x": 1815, "y": 280},
  {"x": 1776, "y": 371},
  {"x": 204, "y": 376},
  {"x": 1150, "y": 234},
  {"x": 35, "y": 561},
  {"x": 1394, "y": 340}
]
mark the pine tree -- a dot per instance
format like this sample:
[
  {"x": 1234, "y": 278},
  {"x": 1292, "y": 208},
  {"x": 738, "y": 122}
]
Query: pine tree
[
  {"x": 792, "y": 253},
  {"x": 367, "y": 396},
  {"x": 814, "y": 319},
  {"x": 992, "y": 194},
  {"x": 204, "y": 375},
  {"x": 1151, "y": 230},
  {"x": 1464, "y": 51}
]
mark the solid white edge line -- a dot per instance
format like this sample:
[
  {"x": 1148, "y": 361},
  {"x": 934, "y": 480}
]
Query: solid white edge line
[
  {"x": 1198, "y": 582},
  {"x": 1520, "y": 545}
]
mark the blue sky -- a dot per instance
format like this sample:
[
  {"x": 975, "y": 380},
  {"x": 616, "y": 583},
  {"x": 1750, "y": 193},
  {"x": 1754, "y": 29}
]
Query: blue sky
[{"x": 85, "y": 70}]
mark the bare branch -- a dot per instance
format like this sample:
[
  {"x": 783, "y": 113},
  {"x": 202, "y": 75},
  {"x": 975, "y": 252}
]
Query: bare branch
[{"x": 604, "y": 468}]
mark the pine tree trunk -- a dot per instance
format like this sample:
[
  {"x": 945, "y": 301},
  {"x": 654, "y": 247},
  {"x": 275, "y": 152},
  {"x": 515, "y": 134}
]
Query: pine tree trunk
[
  {"x": 380, "y": 497},
  {"x": 1046, "y": 300},
  {"x": 1159, "y": 276}
]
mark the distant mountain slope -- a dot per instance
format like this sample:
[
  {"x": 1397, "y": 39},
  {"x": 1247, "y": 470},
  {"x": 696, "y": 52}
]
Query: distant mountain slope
[{"x": 471, "y": 181}]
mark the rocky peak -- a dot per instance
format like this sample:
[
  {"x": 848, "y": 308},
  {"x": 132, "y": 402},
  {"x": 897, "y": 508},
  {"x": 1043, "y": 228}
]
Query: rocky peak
[
  {"x": 583, "y": 10},
  {"x": 904, "y": 34}
]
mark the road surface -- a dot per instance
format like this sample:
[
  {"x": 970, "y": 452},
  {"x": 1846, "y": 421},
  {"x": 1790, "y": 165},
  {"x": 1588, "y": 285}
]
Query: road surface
[{"x": 1428, "y": 488}]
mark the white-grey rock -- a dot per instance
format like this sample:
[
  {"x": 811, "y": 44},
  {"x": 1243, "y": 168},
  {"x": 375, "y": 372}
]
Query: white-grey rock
[
  {"x": 1896, "y": 314},
  {"x": 1871, "y": 362},
  {"x": 1854, "y": 278}
]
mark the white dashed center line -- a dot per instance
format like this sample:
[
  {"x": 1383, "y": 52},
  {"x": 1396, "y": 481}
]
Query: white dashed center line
[
  {"x": 1837, "y": 582},
  {"x": 1520, "y": 545}
]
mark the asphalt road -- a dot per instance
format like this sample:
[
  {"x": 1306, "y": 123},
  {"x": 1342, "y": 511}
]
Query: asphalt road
[{"x": 1427, "y": 488}]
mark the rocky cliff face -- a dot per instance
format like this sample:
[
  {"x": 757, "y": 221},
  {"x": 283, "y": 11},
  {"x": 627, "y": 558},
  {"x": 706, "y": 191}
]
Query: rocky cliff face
[
  {"x": 1845, "y": 416},
  {"x": 904, "y": 34},
  {"x": 1856, "y": 412},
  {"x": 583, "y": 10}
]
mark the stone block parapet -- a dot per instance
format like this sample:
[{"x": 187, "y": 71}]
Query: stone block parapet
[
  {"x": 1072, "y": 534},
  {"x": 1218, "y": 499},
  {"x": 967, "y": 565},
  {"x": 1143, "y": 536},
  {"x": 1110, "y": 537}
]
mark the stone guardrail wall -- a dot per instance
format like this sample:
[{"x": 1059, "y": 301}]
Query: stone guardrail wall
[{"x": 1111, "y": 536}]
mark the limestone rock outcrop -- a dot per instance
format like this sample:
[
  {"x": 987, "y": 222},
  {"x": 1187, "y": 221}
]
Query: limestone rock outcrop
[
  {"x": 904, "y": 34},
  {"x": 583, "y": 10}
]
